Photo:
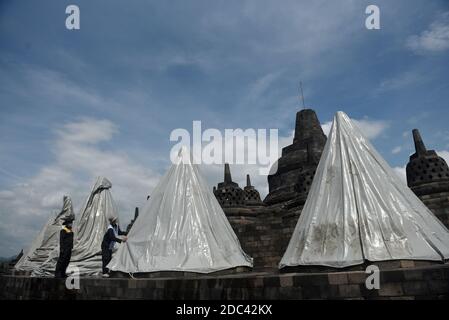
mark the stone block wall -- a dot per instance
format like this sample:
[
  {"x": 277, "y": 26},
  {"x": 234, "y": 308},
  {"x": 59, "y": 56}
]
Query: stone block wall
[
  {"x": 264, "y": 236},
  {"x": 430, "y": 282},
  {"x": 438, "y": 203}
]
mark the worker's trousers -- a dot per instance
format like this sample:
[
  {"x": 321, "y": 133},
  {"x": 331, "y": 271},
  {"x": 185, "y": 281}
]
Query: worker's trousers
[
  {"x": 63, "y": 263},
  {"x": 106, "y": 254}
]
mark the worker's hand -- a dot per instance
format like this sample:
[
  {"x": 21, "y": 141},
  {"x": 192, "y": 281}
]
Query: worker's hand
[{"x": 125, "y": 238}]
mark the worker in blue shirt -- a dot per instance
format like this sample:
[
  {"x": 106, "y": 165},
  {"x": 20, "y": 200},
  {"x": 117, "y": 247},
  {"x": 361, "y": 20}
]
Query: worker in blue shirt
[{"x": 108, "y": 243}]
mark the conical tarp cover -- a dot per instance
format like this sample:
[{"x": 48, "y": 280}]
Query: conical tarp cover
[
  {"x": 47, "y": 239},
  {"x": 89, "y": 229},
  {"x": 358, "y": 209},
  {"x": 181, "y": 228}
]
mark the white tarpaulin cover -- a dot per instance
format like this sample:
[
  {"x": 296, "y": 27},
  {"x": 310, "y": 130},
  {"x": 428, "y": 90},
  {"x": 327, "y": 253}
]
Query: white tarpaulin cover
[
  {"x": 181, "y": 228},
  {"x": 89, "y": 229},
  {"x": 358, "y": 208},
  {"x": 47, "y": 239}
]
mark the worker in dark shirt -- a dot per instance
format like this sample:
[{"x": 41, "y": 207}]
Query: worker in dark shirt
[
  {"x": 109, "y": 240},
  {"x": 65, "y": 248}
]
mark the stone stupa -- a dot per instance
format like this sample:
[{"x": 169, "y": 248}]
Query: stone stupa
[
  {"x": 428, "y": 177},
  {"x": 296, "y": 167}
]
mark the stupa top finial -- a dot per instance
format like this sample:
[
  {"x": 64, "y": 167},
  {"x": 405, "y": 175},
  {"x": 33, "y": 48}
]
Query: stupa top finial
[{"x": 419, "y": 144}]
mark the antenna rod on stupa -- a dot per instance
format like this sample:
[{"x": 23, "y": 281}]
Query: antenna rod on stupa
[
  {"x": 419, "y": 144},
  {"x": 227, "y": 174},
  {"x": 248, "y": 181},
  {"x": 302, "y": 95}
]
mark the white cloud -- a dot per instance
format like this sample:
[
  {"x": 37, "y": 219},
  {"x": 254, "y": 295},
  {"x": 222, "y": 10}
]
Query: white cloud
[
  {"x": 260, "y": 86},
  {"x": 433, "y": 40},
  {"x": 418, "y": 118},
  {"x": 79, "y": 157},
  {"x": 44, "y": 83},
  {"x": 401, "y": 172},
  {"x": 370, "y": 128},
  {"x": 327, "y": 126},
  {"x": 401, "y": 81},
  {"x": 396, "y": 150},
  {"x": 89, "y": 131}
]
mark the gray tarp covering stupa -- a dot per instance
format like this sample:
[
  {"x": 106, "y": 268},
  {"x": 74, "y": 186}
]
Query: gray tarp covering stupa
[
  {"x": 47, "y": 239},
  {"x": 89, "y": 229},
  {"x": 181, "y": 228},
  {"x": 359, "y": 209}
]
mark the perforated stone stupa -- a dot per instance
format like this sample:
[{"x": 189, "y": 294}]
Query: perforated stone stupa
[
  {"x": 428, "y": 177},
  {"x": 228, "y": 193},
  {"x": 252, "y": 196}
]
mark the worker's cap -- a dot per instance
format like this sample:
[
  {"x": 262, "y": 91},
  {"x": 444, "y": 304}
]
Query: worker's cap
[{"x": 112, "y": 219}]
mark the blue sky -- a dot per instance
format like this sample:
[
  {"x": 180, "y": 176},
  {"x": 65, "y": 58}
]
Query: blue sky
[{"x": 104, "y": 99}]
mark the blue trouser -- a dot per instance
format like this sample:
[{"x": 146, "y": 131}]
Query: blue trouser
[{"x": 106, "y": 256}]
